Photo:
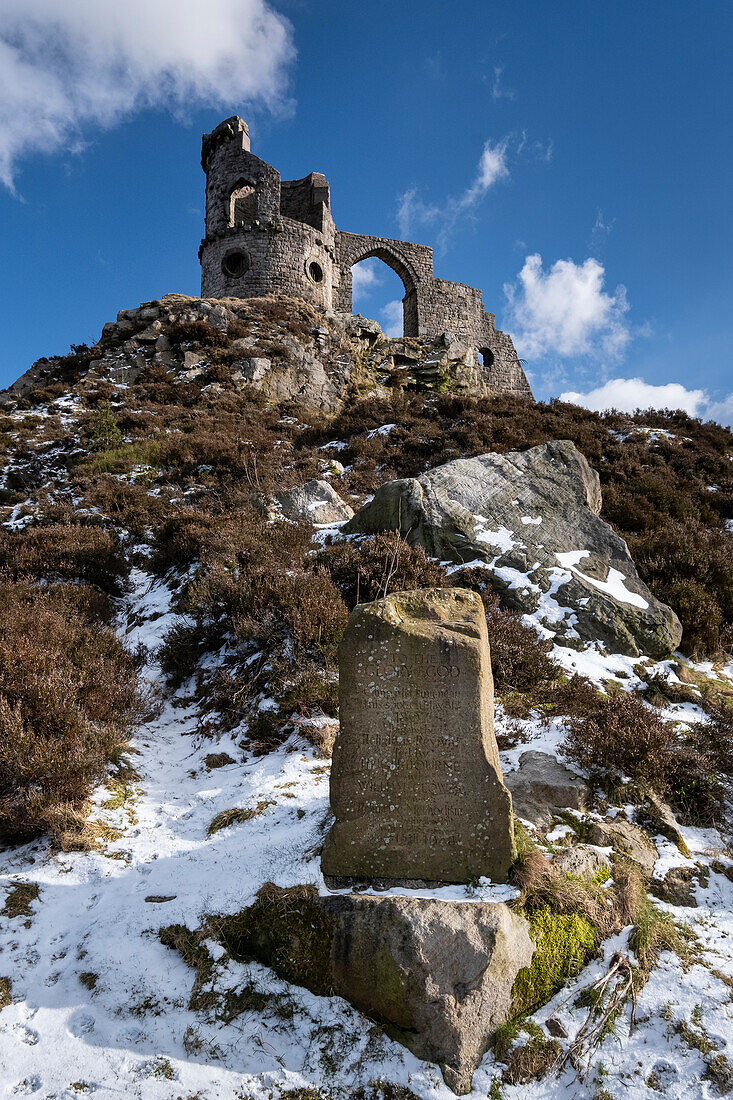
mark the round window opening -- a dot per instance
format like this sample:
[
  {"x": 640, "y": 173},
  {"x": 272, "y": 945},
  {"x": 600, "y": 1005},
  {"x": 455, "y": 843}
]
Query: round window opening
[
  {"x": 235, "y": 264},
  {"x": 315, "y": 271}
]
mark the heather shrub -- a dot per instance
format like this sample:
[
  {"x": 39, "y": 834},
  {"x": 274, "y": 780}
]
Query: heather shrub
[
  {"x": 201, "y": 333},
  {"x": 67, "y": 552},
  {"x": 688, "y": 566},
  {"x": 128, "y": 505},
  {"x": 68, "y": 696},
  {"x": 377, "y": 565},
  {"x": 620, "y": 737}
]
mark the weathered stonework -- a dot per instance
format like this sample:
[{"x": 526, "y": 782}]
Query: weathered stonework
[
  {"x": 416, "y": 784},
  {"x": 265, "y": 235}
]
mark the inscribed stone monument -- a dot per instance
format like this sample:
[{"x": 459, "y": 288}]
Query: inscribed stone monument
[{"x": 416, "y": 784}]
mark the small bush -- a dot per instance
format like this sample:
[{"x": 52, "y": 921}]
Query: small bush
[
  {"x": 73, "y": 553},
  {"x": 377, "y": 565},
  {"x": 106, "y": 434},
  {"x": 68, "y": 696},
  {"x": 621, "y": 736},
  {"x": 201, "y": 333}
]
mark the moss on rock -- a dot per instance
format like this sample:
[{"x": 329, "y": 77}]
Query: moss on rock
[{"x": 564, "y": 943}]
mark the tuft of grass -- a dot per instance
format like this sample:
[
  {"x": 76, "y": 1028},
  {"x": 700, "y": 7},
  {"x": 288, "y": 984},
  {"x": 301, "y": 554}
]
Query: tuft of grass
[
  {"x": 89, "y": 979},
  {"x": 654, "y": 932},
  {"x": 719, "y": 1071},
  {"x": 122, "y": 459},
  {"x": 236, "y": 816},
  {"x": 6, "y": 992},
  {"x": 532, "y": 1060},
  {"x": 19, "y": 899},
  {"x": 285, "y": 929},
  {"x": 163, "y": 1069}
]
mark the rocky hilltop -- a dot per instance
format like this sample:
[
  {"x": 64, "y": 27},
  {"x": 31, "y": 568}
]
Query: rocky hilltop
[
  {"x": 191, "y": 510},
  {"x": 283, "y": 348}
]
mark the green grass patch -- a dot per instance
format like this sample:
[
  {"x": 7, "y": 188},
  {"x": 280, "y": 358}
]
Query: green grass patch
[{"x": 123, "y": 458}]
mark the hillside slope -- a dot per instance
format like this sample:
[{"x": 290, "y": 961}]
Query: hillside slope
[{"x": 167, "y": 709}]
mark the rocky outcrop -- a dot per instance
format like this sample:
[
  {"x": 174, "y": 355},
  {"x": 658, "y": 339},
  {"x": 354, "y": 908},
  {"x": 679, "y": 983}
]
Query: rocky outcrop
[
  {"x": 532, "y": 519},
  {"x": 627, "y": 840},
  {"x": 541, "y": 787},
  {"x": 316, "y": 502},
  {"x": 290, "y": 351},
  {"x": 436, "y": 975}
]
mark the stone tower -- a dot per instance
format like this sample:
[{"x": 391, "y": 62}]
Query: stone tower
[{"x": 266, "y": 235}]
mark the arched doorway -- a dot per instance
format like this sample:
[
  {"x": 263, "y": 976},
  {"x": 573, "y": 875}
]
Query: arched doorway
[
  {"x": 383, "y": 287},
  {"x": 378, "y": 292}
]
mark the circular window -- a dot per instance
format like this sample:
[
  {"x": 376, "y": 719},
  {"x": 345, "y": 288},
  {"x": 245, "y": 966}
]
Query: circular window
[
  {"x": 315, "y": 271},
  {"x": 235, "y": 264}
]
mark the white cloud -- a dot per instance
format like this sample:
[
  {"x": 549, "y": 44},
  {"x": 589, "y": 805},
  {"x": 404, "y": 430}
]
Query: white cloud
[
  {"x": 565, "y": 311},
  {"x": 364, "y": 276},
  {"x": 67, "y": 67},
  {"x": 492, "y": 167},
  {"x": 392, "y": 318},
  {"x": 411, "y": 211},
  {"x": 721, "y": 411},
  {"x": 498, "y": 91},
  {"x": 629, "y": 394}
]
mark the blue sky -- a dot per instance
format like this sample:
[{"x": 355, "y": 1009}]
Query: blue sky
[{"x": 569, "y": 157}]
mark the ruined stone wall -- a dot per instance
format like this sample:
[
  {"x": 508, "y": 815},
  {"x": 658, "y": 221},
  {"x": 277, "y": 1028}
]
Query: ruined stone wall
[
  {"x": 265, "y": 235},
  {"x": 307, "y": 200}
]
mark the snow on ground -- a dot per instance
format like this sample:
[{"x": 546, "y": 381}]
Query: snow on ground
[{"x": 100, "y": 1006}]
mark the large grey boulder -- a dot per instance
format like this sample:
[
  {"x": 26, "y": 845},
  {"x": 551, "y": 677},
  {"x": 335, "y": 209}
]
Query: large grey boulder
[
  {"x": 315, "y": 501},
  {"x": 541, "y": 787},
  {"x": 436, "y": 975},
  {"x": 531, "y": 518}
]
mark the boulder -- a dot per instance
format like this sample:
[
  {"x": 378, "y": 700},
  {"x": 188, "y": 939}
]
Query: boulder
[
  {"x": 541, "y": 787},
  {"x": 532, "y": 518},
  {"x": 436, "y": 975},
  {"x": 581, "y": 860},
  {"x": 315, "y": 501},
  {"x": 677, "y": 887},
  {"x": 628, "y": 840}
]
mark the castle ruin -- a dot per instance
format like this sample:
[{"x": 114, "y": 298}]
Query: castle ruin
[{"x": 267, "y": 235}]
